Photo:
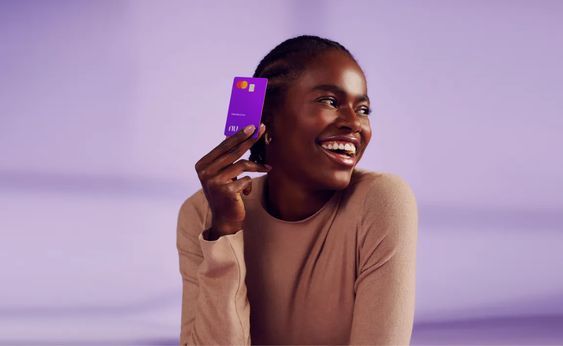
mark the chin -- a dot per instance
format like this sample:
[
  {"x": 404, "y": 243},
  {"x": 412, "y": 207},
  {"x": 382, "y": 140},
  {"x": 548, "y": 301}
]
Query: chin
[{"x": 338, "y": 180}]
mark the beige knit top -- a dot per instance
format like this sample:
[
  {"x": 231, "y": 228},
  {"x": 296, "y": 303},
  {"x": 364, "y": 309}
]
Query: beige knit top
[{"x": 344, "y": 275}]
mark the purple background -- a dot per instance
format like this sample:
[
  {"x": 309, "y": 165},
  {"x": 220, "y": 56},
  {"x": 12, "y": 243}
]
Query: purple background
[{"x": 105, "y": 106}]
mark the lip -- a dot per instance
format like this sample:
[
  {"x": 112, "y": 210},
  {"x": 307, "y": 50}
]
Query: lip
[
  {"x": 340, "y": 159},
  {"x": 343, "y": 138}
]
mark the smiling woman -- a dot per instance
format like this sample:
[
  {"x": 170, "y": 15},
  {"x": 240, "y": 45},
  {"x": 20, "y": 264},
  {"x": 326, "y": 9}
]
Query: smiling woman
[{"x": 317, "y": 251}]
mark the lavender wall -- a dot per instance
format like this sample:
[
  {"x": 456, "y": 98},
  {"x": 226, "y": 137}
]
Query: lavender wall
[{"x": 105, "y": 107}]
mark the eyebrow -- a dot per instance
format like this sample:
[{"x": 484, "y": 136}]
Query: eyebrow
[{"x": 337, "y": 90}]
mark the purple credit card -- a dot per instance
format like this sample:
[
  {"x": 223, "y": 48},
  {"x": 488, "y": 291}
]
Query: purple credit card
[{"x": 245, "y": 107}]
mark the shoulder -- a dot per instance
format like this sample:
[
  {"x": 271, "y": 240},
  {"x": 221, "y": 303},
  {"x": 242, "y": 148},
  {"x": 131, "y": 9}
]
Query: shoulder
[
  {"x": 380, "y": 188},
  {"x": 194, "y": 209},
  {"x": 388, "y": 203},
  {"x": 196, "y": 200}
]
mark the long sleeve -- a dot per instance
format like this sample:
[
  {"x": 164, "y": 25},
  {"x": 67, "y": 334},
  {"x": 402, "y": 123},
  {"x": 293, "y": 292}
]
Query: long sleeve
[
  {"x": 215, "y": 307},
  {"x": 385, "y": 287}
]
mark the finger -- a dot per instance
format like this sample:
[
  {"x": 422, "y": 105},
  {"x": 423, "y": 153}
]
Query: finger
[
  {"x": 238, "y": 167},
  {"x": 226, "y": 145},
  {"x": 247, "y": 190},
  {"x": 228, "y": 158},
  {"x": 239, "y": 185},
  {"x": 248, "y": 142}
]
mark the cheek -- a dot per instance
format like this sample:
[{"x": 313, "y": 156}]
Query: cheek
[
  {"x": 318, "y": 119},
  {"x": 366, "y": 129},
  {"x": 310, "y": 123}
]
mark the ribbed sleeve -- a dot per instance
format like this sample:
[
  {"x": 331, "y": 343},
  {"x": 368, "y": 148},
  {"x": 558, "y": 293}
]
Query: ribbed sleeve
[
  {"x": 215, "y": 308},
  {"x": 385, "y": 287}
]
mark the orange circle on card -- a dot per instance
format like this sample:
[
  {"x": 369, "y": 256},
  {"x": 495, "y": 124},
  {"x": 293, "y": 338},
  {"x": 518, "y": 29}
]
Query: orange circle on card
[{"x": 242, "y": 84}]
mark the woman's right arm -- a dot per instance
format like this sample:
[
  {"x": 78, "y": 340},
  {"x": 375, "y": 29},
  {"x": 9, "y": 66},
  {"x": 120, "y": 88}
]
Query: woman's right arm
[{"x": 215, "y": 307}]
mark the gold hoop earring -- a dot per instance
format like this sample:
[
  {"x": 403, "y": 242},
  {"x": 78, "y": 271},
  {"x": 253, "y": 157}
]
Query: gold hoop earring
[{"x": 267, "y": 138}]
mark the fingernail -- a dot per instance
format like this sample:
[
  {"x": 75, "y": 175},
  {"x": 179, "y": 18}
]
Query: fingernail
[
  {"x": 262, "y": 126},
  {"x": 267, "y": 166},
  {"x": 249, "y": 129}
]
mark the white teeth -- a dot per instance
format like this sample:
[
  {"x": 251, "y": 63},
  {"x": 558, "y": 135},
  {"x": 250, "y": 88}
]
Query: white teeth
[{"x": 349, "y": 147}]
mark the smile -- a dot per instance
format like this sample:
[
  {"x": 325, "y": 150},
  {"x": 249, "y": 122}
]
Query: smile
[{"x": 342, "y": 159}]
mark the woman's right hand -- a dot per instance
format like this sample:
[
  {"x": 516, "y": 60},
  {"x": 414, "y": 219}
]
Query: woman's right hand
[{"x": 218, "y": 176}]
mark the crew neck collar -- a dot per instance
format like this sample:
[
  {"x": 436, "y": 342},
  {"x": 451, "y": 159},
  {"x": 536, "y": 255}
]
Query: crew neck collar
[{"x": 258, "y": 192}]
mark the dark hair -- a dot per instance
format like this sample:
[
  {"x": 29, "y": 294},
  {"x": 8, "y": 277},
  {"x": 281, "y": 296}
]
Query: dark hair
[{"x": 281, "y": 65}]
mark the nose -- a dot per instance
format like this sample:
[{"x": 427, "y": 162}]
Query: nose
[{"x": 348, "y": 118}]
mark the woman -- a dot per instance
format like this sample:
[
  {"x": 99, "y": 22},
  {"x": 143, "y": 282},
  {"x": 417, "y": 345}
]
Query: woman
[{"x": 316, "y": 251}]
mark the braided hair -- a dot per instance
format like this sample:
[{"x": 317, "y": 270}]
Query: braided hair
[{"x": 282, "y": 65}]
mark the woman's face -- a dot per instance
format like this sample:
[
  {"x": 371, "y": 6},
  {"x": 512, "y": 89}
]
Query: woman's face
[{"x": 328, "y": 99}]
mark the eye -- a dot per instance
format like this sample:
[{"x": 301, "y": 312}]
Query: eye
[
  {"x": 365, "y": 110},
  {"x": 331, "y": 101}
]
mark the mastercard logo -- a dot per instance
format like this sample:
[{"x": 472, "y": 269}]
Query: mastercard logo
[{"x": 242, "y": 84}]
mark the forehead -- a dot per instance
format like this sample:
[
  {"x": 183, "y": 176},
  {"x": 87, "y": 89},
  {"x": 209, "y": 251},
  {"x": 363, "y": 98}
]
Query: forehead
[{"x": 334, "y": 67}]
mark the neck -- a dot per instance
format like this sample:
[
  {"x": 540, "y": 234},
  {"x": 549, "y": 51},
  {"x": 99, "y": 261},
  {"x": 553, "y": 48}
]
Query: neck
[{"x": 290, "y": 200}]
